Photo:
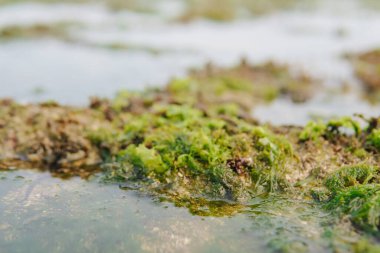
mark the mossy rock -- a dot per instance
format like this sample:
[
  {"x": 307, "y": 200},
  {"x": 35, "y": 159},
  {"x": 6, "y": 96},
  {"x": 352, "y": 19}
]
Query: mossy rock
[
  {"x": 181, "y": 143},
  {"x": 351, "y": 176},
  {"x": 361, "y": 203}
]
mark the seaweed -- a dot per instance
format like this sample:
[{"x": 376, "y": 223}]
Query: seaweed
[
  {"x": 181, "y": 143},
  {"x": 361, "y": 203},
  {"x": 355, "y": 192},
  {"x": 312, "y": 131},
  {"x": 344, "y": 125},
  {"x": 351, "y": 176},
  {"x": 195, "y": 143},
  {"x": 373, "y": 140}
]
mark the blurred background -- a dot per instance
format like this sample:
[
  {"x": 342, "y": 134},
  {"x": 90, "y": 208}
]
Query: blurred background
[{"x": 70, "y": 50}]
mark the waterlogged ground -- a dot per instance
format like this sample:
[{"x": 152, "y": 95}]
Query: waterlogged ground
[{"x": 97, "y": 51}]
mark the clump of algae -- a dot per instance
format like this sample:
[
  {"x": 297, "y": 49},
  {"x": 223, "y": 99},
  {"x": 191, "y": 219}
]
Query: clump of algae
[
  {"x": 180, "y": 144},
  {"x": 226, "y": 10},
  {"x": 361, "y": 203},
  {"x": 48, "y": 136},
  {"x": 194, "y": 143},
  {"x": 314, "y": 130},
  {"x": 354, "y": 192},
  {"x": 350, "y": 176},
  {"x": 367, "y": 69},
  {"x": 196, "y": 136},
  {"x": 262, "y": 83},
  {"x": 59, "y": 30},
  {"x": 373, "y": 140}
]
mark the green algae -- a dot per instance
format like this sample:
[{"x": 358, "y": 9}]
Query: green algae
[
  {"x": 144, "y": 159},
  {"x": 361, "y": 203},
  {"x": 373, "y": 139},
  {"x": 207, "y": 208},
  {"x": 342, "y": 186},
  {"x": 358, "y": 135},
  {"x": 350, "y": 191},
  {"x": 354, "y": 192},
  {"x": 206, "y": 155},
  {"x": 335, "y": 126},
  {"x": 202, "y": 144},
  {"x": 260, "y": 83},
  {"x": 351, "y": 176},
  {"x": 194, "y": 137},
  {"x": 180, "y": 140},
  {"x": 366, "y": 246},
  {"x": 194, "y": 143},
  {"x": 314, "y": 130}
]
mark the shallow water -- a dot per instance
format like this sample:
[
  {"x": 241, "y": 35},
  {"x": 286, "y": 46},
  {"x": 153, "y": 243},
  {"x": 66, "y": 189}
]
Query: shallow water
[
  {"x": 39, "y": 213},
  {"x": 71, "y": 74},
  {"x": 313, "y": 41}
]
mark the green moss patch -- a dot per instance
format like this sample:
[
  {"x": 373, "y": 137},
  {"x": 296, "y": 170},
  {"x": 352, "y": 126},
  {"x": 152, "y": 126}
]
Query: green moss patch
[
  {"x": 351, "y": 176},
  {"x": 175, "y": 145},
  {"x": 361, "y": 203},
  {"x": 354, "y": 191}
]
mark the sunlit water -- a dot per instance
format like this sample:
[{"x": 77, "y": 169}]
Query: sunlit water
[{"x": 44, "y": 214}]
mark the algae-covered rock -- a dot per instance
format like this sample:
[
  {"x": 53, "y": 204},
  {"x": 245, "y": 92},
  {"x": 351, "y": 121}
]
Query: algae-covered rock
[
  {"x": 367, "y": 68},
  {"x": 313, "y": 130},
  {"x": 351, "y": 176},
  {"x": 195, "y": 143},
  {"x": 361, "y": 203},
  {"x": 350, "y": 191},
  {"x": 261, "y": 83},
  {"x": 49, "y": 136},
  {"x": 359, "y": 135},
  {"x": 199, "y": 128},
  {"x": 373, "y": 140},
  {"x": 354, "y": 191},
  {"x": 182, "y": 147}
]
